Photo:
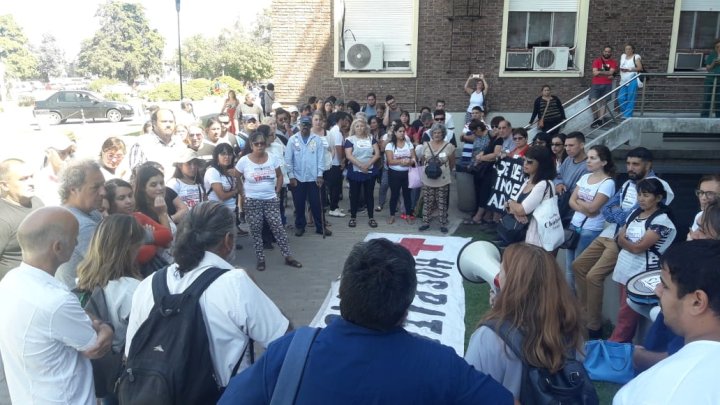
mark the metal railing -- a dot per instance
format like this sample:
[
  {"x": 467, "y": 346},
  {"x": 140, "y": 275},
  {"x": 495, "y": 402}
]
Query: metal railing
[{"x": 687, "y": 94}]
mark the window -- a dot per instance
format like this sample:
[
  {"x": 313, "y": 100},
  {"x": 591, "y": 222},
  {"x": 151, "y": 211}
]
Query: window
[
  {"x": 531, "y": 26},
  {"x": 695, "y": 28},
  {"x": 698, "y": 29},
  {"x": 530, "y": 29},
  {"x": 369, "y": 42}
]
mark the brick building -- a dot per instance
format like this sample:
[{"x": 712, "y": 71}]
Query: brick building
[{"x": 430, "y": 47}]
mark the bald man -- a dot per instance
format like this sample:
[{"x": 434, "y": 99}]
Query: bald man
[
  {"x": 17, "y": 200},
  {"x": 46, "y": 339}
]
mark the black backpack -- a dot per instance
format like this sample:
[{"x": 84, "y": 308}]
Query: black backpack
[
  {"x": 569, "y": 386},
  {"x": 662, "y": 210},
  {"x": 433, "y": 166},
  {"x": 169, "y": 359}
]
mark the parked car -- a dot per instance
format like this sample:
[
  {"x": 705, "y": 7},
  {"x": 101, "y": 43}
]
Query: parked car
[{"x": 80, "y": 104}]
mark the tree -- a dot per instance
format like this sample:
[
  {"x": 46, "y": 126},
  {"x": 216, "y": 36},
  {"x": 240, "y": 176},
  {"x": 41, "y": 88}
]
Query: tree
[
  {"x": 51, "y": 59},
  {"x": 238, "y": 56},
  {"x": 125, "y": 46},
  {"x": 262, "y": 27},
  {"x": 20, "y": 63}
]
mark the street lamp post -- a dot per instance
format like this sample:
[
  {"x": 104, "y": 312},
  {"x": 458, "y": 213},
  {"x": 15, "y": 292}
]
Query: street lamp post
[
  {"x": 177, "y": 7},
  {"x": 223, "y": 68}
]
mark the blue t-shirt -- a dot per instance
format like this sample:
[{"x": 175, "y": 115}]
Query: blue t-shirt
[{"x": 349, "y": 364}]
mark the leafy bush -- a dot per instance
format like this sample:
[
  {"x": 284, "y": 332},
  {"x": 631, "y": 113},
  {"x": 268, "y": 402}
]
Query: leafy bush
[
  {"x": 115, "y": 97},
  {"x": 26, "y": 100},
  {"x": 98, "y": 84},
  {"x": 196, "y": 89},
  {"x": 229, "y": 83}
]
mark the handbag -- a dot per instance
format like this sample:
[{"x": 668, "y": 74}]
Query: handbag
[
  {"x": 433, "y": 167},
  {"x": 572, "y": 236},
  {"x": 541, "y": 121},
  {"x": 510, "y": 230},
  {"x": 548, "y": 220},
  {"x": 415, "y": 177},
  {"x": 609, "y": 361}
]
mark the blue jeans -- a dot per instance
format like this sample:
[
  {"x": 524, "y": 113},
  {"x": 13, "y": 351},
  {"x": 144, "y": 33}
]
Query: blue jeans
[
  {"x": 586, "y": 238},
  {"x": 626, "y": 98}
]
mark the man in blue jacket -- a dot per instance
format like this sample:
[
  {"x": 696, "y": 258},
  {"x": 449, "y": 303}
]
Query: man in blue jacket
[{"x": 365, "y": 356}]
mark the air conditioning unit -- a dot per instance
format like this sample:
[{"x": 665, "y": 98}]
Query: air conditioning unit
[
  {"x": 688, "y": 61},
  {"x": 519, "y": 60},
  {"x": 550, "y": 58},
  {"x": 364, "y": 56}
]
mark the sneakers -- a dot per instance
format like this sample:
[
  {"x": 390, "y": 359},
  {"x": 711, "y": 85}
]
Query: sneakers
[
  {"x": 424, "y": 227},
  {"x": 336, "y": 213}
]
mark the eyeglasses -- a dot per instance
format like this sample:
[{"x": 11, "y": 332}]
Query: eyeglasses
[
  {"x": 711, "y": 195},
  {"x": 195, "y": 134},
  {"x": 439, "y": 119},
  {"x": 493, "y": 126},
  {"x": 225, "y": 122},
  {"x": 259, "y": 144},
  {"x": 518, "y": 138},
  {"x": 557, "y": 144},
  {"x": 113, "y": 156}
]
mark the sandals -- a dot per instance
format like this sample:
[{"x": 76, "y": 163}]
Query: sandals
[
  {"x": 260, "y": 266},
  {"x": 372, "y": 223},
  {"x": 292, "y": 263},
  {"x": 472, "y": 221},
  {"x": 391, "y": 219},
  {"x": 352, "y": 223}
]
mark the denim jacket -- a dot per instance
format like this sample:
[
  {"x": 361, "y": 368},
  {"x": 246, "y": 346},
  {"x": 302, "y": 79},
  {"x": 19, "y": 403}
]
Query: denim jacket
[{"x": 305, "y": 161}]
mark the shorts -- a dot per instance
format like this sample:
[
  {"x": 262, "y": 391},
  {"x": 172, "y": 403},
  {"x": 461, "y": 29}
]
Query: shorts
[{"x": 599, "y": 90}]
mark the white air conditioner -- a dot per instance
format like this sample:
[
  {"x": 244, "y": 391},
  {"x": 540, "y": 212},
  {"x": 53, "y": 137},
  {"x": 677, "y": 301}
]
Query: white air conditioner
[
  {"x": 519, "y": 60},
  {"x": 688, "y": 61},
  {"x": 550, "y": 58},
  {"x": 364, "y": 56}
]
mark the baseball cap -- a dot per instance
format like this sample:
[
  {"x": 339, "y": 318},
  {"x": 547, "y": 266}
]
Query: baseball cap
[
  {"x": 249, "y": 118},
  {"x": 305, "y": 121},
  {"x": 186, "y": 155},
  {"x": 293, "y": 109}
]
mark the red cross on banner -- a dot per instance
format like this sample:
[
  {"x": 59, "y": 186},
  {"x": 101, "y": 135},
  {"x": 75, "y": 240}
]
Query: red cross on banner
[{"x": 415, "y": 245}]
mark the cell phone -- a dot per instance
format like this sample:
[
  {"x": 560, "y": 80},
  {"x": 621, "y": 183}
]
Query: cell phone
[{"x": 476, "y": 76}]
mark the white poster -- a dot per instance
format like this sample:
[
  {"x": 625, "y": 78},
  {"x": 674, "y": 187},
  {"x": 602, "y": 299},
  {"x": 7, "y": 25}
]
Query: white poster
[{"x": 438, "y": 310}]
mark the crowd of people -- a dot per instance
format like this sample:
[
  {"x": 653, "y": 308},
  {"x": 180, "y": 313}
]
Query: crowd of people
[{"x": 173, "y": 205}]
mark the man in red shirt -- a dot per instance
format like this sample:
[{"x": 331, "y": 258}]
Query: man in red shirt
[{"x": 603, "y": 69}]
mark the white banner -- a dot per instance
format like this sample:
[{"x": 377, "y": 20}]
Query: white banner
[{"x": 438, "y": 310}]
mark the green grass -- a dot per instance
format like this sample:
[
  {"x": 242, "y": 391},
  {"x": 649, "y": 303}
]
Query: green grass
[{"x": 477, "y": 304}]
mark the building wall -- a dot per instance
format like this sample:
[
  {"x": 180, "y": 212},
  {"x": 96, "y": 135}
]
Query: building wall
[{"x": 303, "y": 52}]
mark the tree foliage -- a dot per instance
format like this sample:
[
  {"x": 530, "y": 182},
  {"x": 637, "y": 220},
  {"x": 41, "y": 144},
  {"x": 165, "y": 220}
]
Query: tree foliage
[
  {"x": 51, "y": 59},
  {"x": 246, "y": 57},
  {"x": 125, "y": 46},
  {"x": 20, "y": 63}
]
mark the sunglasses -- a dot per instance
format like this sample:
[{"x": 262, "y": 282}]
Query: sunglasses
[
  {"x": 439, "y": 119},
  {"x": 494, "y": 127},
  {"x": 259, "y": 144},
  {"x": 530, "y": 161},
  {"x": 557, "y": 144},
  {"x": 225, "y": 122}
]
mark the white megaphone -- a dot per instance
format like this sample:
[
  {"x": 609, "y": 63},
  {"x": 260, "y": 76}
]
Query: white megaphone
[{"x": 479, "y": 262}]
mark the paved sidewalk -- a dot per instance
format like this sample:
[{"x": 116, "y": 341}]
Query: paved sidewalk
[{"x": 300, "y": 292}]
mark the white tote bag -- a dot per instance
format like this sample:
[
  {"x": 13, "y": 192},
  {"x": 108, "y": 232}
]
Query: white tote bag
[{"x": 549, "y": 224}]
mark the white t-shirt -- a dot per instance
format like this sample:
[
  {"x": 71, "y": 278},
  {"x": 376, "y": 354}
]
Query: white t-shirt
[
  {"x": 696, "y": 222},
  {"x": 628, "y": 64},
  {"x": 328, "y": 150},
  {"x": 233, "y": 307},
  {"x": 190, "y": 194},
  {"x": 43, "y": 329},
  {"x": 405, "y": 152},
  {"x": 587, "y": 192},
  {"x": 629, "y": 264},
  {"x": 213, "y": 176},
  {"x": 687, "y": 377},
  {"x": 118, "y": 295},
  {"x": 260, "y": 179},
  {"x": 277, "y": 149},
  {"x": 335, "y": 138},
  {"x": 476, "y": 99}
]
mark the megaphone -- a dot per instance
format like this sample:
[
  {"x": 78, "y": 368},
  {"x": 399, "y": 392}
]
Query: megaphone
[{"x": 479, "y": 262}]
